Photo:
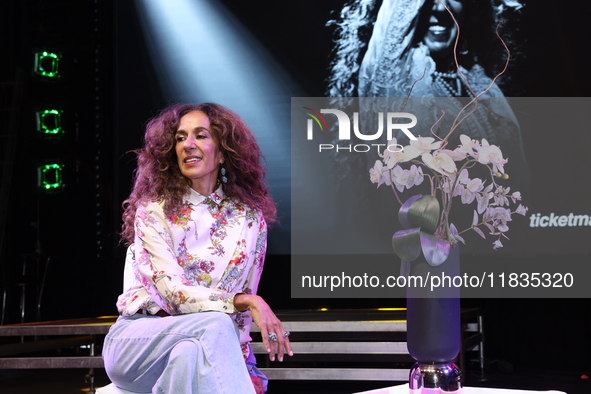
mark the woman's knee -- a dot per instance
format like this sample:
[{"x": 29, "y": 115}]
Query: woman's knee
[
  {"x": 220, "y": 322},
  {"x": 185, "y": 349}
]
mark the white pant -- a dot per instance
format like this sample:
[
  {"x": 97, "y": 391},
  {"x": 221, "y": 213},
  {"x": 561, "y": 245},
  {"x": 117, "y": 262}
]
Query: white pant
[{"x": 197, "y": 353}]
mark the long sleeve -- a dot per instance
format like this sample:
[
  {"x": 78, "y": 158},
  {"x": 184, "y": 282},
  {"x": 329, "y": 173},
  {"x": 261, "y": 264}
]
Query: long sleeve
[
  {"x": 159, "y": 270},
  {"x": 243, "y": 319},
  {"x": 198, "y": 260}
]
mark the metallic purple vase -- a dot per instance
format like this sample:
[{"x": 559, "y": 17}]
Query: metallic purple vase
[{"x": 433, "y": 325}]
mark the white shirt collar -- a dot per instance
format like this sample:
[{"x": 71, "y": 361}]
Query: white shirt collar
[{"x": 217, "y": 196}]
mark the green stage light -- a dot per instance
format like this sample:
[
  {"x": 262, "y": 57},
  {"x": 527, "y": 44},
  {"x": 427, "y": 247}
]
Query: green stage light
[
  {"x": 50, "y": 177},
  {"x": 47, "y": 64},
  {"x": 49, "y": 122}
]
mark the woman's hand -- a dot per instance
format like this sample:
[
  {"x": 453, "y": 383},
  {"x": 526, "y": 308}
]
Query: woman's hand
[{"x": 267, "y": 322}]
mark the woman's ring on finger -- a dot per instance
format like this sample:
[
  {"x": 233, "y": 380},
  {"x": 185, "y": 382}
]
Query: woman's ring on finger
[
  {"x": 272, "y": 336},
  {"x": 286, "y": 334}
]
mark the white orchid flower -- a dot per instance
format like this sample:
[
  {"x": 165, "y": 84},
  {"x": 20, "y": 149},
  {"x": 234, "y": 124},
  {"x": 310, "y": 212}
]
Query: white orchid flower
[{"x": 440, "y": 162}]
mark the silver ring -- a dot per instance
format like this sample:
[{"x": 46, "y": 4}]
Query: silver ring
[
  {"x": 286, "y": 334},
  {"x": 272, "y": 336}
]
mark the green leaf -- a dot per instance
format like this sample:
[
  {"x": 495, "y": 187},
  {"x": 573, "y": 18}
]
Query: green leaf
[
  {"x": 407, "y": 244},
  {"x": 434, "y": 249},
  {"x": 420, "y": 212},
  {"x": 403, "y": 211}
]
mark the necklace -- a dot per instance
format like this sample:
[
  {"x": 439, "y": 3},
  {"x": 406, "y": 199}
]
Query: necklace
[{"x": 453, "y": 78}]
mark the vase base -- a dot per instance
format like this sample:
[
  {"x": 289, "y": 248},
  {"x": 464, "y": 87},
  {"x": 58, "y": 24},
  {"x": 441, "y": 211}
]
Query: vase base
[{"x": 435, "y": 378}]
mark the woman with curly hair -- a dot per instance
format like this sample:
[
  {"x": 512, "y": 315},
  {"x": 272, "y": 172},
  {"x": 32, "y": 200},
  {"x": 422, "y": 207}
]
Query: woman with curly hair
[{"x": 196, "y": 226}]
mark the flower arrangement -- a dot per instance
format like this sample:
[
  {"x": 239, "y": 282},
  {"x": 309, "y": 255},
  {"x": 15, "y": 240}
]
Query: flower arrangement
[{"x": 448, "y": 172}]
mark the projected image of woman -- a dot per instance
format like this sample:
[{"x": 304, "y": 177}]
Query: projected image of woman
[
  {"x": 381, "y": 54},
  {"x": 386, "y": 51},
  {"x": 196, "y": 226},
  {"x": 401, "y": 48}
]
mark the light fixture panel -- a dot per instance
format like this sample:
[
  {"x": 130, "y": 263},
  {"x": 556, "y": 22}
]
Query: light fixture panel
[{"x": 47, "y": 64}]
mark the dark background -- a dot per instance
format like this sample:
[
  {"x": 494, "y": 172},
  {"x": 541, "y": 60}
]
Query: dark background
[{"x": 109, "y": 88}]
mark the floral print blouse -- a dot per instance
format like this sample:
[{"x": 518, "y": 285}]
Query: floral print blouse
[{"x": 197, "y": 260}]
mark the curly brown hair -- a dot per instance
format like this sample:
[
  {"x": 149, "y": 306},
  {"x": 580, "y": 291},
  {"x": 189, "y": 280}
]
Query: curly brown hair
[{"x": 158, "y": 176}]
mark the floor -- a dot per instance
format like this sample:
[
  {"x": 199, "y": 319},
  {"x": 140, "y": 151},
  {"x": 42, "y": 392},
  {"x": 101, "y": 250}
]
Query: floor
[{"x": 68, "y": 381}]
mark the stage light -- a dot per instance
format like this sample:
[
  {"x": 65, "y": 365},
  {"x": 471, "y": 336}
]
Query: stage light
[
  {"x": 50, "y": 177},
  {"x": 47, "y": 64},
  {"x": 201, "y": 52},
  {"x": 204, "y": 53},
  {"x": 49, "y": 122}
]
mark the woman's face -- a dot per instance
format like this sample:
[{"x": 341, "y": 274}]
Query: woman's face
[
  {"x": 441, "y": 30},
  {"x": 197, "y": 152}
]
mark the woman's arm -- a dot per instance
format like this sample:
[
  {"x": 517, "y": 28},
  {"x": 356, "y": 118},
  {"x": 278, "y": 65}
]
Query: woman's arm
[{"x": 267, "y": 322}]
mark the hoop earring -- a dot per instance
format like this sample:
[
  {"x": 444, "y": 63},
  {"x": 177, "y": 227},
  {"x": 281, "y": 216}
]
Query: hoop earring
[{"x": 223, "y": 175}]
